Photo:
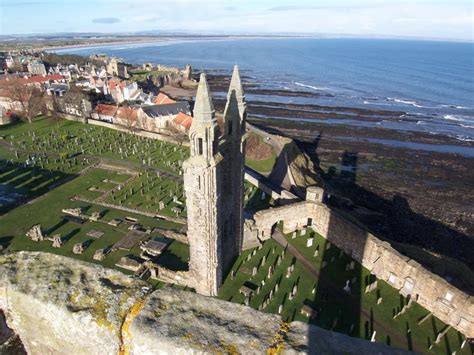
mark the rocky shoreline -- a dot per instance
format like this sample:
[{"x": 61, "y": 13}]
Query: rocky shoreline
[{"x": 407, "y": 186}]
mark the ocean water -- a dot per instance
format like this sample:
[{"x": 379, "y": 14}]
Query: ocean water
[{"x": 433, "y": 82}]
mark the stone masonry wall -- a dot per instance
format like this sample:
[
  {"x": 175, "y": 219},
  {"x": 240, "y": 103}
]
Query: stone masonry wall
[
  {"x": 59, "y": 305},
  {"x": 445, "y": 301}
]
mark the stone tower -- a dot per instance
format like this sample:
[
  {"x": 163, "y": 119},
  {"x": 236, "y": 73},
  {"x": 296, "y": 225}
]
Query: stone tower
[
  {"x": 213, "y": 182},
  {"x": 233, "y": 150}
]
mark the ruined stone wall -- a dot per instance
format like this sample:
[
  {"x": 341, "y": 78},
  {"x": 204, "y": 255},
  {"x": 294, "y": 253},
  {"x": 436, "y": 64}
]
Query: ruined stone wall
[
  {"x": 445, "y": 301},
  {"x": 59, "y": 305}
]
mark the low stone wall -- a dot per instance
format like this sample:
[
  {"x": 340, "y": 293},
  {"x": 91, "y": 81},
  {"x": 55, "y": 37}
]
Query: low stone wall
[
  {"x": 277, "y": 193},
  {"x": 69, "y": 117},
  {"x": 59, "y": 305},
  {"x": 140, "y": 133},
  {"x": 445, "y": 301}
]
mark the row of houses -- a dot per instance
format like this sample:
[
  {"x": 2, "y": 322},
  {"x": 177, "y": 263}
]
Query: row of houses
[{"x": 152, "y": 118}]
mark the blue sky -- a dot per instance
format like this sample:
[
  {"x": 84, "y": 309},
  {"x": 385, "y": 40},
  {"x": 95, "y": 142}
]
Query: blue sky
[{"x": 451, "y": 19}]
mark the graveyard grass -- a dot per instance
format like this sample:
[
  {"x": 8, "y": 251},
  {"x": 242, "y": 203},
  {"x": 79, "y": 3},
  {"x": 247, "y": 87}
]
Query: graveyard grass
[
  {"x": 333, "y": 312},
  {"x": 53, "y": 179}
]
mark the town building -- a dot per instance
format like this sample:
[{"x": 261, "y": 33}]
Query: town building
[{"x": 36, "y": 67}]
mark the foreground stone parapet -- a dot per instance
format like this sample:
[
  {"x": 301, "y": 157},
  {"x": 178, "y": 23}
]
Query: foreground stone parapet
[{"x": 59, "y": 305}]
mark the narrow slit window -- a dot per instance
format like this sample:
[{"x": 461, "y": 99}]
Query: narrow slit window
[{"x": 200, "y": 151}]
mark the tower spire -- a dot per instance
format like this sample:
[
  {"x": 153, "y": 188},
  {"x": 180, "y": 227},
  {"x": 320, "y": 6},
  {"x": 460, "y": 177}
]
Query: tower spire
[
  {"x": 236, "y": 85},
  {"x": 203, "y": 107}
]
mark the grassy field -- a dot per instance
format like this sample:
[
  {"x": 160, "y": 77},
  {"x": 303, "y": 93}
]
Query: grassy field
[
  {"x": 67, "y": 138},
  {"x": 146, "y": 191},
  {"x": 356, "y": 313},
  {"x": 45, "y": 165},
  {"x": 46, "y": 211},
  {"x": 141, "y": 74}
]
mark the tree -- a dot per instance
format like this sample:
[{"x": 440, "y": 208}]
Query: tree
[{"x": 29, "y": 99}]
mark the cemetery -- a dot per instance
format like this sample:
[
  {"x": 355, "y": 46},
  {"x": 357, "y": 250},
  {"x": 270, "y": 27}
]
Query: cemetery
[
  {"x": 338, "y": 295},
  {"x": 95, "y": 200},
  {"x": 68, "y": 139}
]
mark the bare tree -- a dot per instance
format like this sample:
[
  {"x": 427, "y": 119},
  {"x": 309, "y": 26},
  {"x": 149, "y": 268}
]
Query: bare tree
[{"x": 29, "y": 99}]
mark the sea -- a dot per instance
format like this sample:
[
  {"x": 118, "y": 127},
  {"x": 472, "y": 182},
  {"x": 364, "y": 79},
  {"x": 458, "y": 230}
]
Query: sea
[{"x": 431, "y": 82}]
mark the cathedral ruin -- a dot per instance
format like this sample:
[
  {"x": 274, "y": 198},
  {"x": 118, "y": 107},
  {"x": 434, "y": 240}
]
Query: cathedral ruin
[{"x": 213, "y": 182}]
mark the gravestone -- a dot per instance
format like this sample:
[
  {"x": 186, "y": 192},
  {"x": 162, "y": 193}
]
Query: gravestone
[
  {"x": 78, "y": 248},
  {"x": 347, "y": 288},
  {"x": 309, "y": 242},
  {"x": 57, "y": 242}
]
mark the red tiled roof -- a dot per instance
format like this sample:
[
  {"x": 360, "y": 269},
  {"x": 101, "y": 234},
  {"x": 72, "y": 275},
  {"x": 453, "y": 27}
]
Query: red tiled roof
[
  {"x": 162, "y": 99},
  {"x": 127, "y": 113},
  {"x": 183, "y": 119},
  {"x": 106, "y": 110},
  {"x": 33, "y": 79}
]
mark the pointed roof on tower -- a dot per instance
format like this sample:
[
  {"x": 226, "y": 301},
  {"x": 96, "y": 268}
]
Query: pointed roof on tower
[
  {"x": 236, "y": 84},
  {"x": 203, "y": 107}
]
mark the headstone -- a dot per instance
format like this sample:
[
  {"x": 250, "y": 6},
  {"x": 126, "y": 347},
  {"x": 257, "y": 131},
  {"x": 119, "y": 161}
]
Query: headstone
[
  {"x": 371, "y": 287},
  {"x": 328, "y": 245},
  {"x": 309, "y": 242},
  {"x": 347, "y": 288},
  {"x": 270, "y": 272},
  {"x": 254, "y": 271},
  {"x": 350, "y": 266},
  {"x": 323, "y": 264},
  {"x": 78, "y": 248},
  {"x": 354, "y": 280},
  {"x": 161, "y": 205},
  {"x": 379, "y": 300},
  {"x": 57, "y": 242},
  {"x": 35, "y": 233},
  {"x": 303, "y": 231},
  {"x": 313, "y": 291},
  {"x": 293, "y": 236},
  {"x": 316, "y": 252},
  {"x": 263, "y": 196},
  {"x": 372, "y": 339},
  {"x": 249, "y": 257},
  {"x": 264, "y": 260},
  {"x": 280, "y": 309}
]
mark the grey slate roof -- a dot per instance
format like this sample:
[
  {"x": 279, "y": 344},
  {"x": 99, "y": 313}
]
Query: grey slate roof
[{"x": 165, "y": 110}]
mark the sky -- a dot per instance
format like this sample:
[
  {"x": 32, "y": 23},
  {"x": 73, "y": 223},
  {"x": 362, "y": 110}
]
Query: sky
[{"x": 448, "y": 19}]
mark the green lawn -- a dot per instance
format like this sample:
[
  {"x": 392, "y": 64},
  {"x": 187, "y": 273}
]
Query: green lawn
[
  {"x": 67, "y": 138},
  {"x": 262, "y": 166},
  {"x": 146, "y": 191},
  {"x": 356, "y": 314}
]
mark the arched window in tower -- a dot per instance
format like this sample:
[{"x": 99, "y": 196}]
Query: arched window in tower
[{"x": 200, "y": 146}]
